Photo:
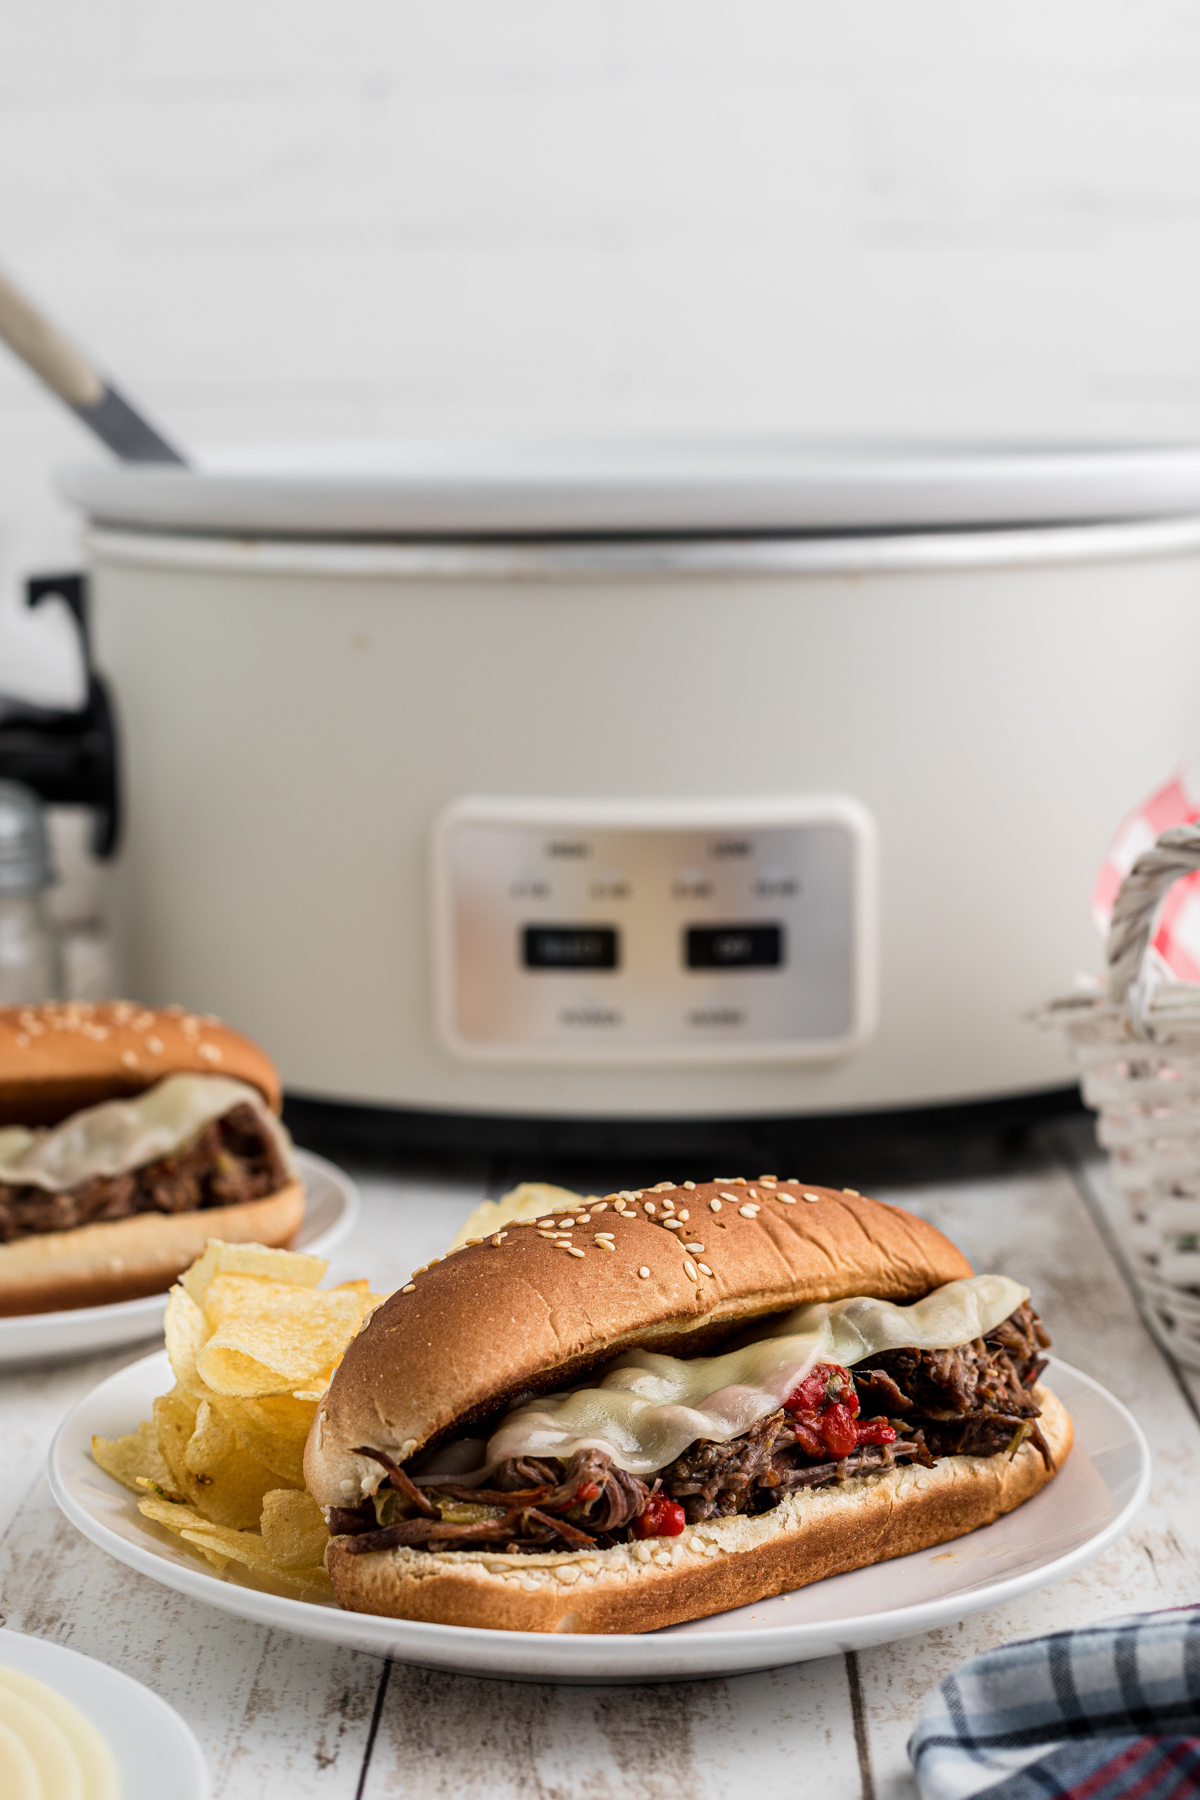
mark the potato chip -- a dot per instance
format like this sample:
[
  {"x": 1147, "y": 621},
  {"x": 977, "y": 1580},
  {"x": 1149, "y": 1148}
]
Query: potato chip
[
  {"x": 223, "y": 1483},
  {"x": 293, "y": 1529},
  {"x": 134, "y": 1456},
  {"x": 532, "y": 1200},
  {"x": 174, "y": 1422},
  {"x": 271, "y": 1339},
  {"x": 185, "y": 1330},
  {"x": 178, "y": 1518},
  {"x": 286, "y": 1266},
  {"x": 210, "y": 1443},
  {"x": 273, "y": 1429}
]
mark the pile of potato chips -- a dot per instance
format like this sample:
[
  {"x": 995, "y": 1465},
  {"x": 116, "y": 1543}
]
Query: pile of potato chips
[{"x": 253, "y": 1346}]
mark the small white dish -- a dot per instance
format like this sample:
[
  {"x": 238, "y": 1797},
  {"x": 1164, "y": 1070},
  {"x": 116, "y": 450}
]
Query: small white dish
[
  {"x": 1078, "y": 1515},
  {"x": 156, "y": 1753},
  {"x": 330, "y": 1214}
]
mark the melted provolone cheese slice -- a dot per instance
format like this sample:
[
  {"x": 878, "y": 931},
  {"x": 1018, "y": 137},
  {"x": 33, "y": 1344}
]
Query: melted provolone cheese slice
[
  {"x": 120, "y": 1135},
  {"x": 647, "y": 1409}
]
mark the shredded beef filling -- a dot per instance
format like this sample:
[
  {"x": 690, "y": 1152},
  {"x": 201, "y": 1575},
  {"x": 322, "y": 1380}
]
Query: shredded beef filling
[
  {"x": 971, "y": 1401},
  {"x": 233, "y": 1160}
]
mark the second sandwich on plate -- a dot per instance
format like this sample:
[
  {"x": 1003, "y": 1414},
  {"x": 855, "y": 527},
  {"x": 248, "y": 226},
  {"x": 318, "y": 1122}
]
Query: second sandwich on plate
[
  {"x": 129, "y": 1136},
  {"x": 671, "y": 1402}
]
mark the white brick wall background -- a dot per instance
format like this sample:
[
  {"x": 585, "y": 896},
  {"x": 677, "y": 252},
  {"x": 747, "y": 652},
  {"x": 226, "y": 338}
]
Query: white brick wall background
[{"x": 280, "y": 221}]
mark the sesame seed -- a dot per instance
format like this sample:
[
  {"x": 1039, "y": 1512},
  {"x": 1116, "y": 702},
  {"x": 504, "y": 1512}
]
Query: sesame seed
[
  {"x": 813, "y": 1197},
  {"x": 672, "y": 1224},
  {"x": 748, "y": 1212},
  {"x": 651, "y": 1208},
  {"x": 605, "y": 1244},
  {"x": 603, "y": 1207},
  {"x": 129, "y": 1059},
  {"x": 689, "y": 1185},
  {"x": 787, "y": 1199},
  {"x": 728, "y": 1180},
  {"x": 602, "y": 1235},
  {"x": 752, "y": 1193},
  {"x": 548, "y": 1234},
  {"x": 705, "y": 1268},
  {"x": 732, "y": 1198},
  {"x": 571, "y": 1250},
  {"x": 714, "y": 1206},
  {"x": 767, "y": 1180},
  {"x": 683, "y": 1213},
  {"x": 643, "y": 1271},
  {"x": 663, "y": 1187},
  {"x": 499, "y": 1238},
  {"x": 693, "y": 1247},
  {"x": 23, "y": 1040},
  {"x": 668, "y": 1206},
  {"x": 154, "y": 1046},
  {"x": 411, "y": 1288},
  {"x": 643, "y": 1552},
  {"x": 689, "y": 1269},
  {"x": 696, "y": 1545},
  {"x": 542, "y": 1222},
  {"x": 662, "y": 1558},
  {"x": 563, "y": 1223},
  {"x": 853, "y": 1191}
]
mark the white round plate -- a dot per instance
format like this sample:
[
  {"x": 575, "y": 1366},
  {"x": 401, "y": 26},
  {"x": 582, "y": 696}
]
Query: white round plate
[
  {"x": 1078, "y": 1515},
  {"x": 155, "y": 1751},
  {"x": 330, "y": 1213}
]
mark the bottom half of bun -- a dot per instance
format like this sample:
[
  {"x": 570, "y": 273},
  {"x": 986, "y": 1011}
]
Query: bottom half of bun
[
  {"x": 712, "y": 1567},
  {"x": 125, "y": 1259}
]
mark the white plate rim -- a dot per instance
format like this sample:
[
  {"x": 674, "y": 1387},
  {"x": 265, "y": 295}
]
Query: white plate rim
[
  {"x": 94, "y": 1688},
  {"x": 144, "y": 1315},
  {"x": 538, "y": 1656}
]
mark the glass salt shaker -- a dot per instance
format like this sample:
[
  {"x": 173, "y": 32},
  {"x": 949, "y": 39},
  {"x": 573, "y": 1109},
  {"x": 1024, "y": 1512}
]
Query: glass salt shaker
[{"x": 30, "y": 957}]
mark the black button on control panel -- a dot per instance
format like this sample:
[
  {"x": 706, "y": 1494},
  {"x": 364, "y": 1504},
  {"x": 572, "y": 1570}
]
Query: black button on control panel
[
  {"x": 733, "y": 946},
  {"x": 570, "y": 947}
]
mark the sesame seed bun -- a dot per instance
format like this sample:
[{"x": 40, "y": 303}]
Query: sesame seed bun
[
  {"x": 57, "y": 1058},
  {"x": 521, "y": 1313},
  {"x": 711, "y": 1567}
]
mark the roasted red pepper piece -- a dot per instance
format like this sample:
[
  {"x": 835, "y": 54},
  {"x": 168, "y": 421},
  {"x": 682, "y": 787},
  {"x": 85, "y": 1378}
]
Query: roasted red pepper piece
[
  {"x": 837, "y": 1427},
  {"x": 875, "y": 1431},
  {"x": 661, "y": 1518},
  {"x": 824, "y": 1385}
]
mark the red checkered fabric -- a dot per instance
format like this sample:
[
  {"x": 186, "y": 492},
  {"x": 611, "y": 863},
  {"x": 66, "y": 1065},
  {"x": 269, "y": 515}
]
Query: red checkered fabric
[{"x": 1176, "y": 942}]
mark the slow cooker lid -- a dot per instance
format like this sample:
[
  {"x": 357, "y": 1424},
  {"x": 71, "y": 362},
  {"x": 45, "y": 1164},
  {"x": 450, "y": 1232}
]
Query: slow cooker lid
[{"x": 613, "y": 488}]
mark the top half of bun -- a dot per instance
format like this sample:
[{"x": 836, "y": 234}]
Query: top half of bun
[
  {"x": 520, "y": 1313},
  {"x": 59, "y": 1057}
]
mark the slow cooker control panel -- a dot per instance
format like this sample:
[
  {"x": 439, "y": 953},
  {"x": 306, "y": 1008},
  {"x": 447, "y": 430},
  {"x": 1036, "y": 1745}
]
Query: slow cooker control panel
[{"x": 652, "y": 931}]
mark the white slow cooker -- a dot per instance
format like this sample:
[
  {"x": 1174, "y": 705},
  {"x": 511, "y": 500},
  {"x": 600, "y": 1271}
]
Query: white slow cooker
[{"x": 633, "y": 782}]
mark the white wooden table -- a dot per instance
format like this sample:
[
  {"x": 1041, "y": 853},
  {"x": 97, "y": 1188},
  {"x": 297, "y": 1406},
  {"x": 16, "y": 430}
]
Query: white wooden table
[{"x": 279, "y": 1716}]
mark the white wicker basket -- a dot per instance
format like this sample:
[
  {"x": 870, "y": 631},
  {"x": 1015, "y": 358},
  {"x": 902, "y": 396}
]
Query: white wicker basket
[{"x": 1138, "y": 1047}]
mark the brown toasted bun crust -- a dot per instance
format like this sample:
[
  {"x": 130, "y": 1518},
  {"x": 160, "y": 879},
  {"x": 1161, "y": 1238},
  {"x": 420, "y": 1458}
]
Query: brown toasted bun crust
[
  {"x": 810, "y": 1535},
  {"x": 124, "y": 1259},
  {"x": 58, "y": 1058},
  {"x": 520, "y": 1313}
]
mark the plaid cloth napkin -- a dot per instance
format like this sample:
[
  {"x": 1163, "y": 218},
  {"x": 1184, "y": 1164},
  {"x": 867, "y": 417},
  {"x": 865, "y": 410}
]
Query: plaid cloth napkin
[{"x": 1109, "y": 1712}]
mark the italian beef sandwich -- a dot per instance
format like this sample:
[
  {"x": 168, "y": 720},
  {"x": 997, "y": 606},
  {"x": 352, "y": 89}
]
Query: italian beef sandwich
[
  {"x": 670, "y": 1402},
  {"x": 129, "y": 1136}
]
